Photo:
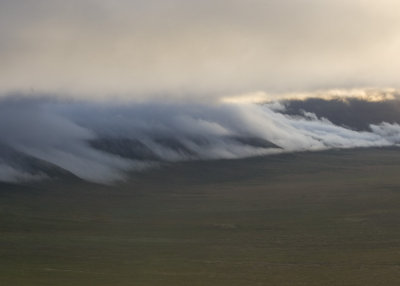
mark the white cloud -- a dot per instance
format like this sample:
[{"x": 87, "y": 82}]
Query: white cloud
[{"x": 60, "y": 133}]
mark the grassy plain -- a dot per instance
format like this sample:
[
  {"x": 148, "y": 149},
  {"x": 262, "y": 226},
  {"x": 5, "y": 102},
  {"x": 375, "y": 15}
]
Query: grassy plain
[{"x": 324, "y": 218}]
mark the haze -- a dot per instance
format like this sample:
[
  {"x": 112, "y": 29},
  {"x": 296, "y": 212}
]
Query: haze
[{"x": 191, "y": 49}]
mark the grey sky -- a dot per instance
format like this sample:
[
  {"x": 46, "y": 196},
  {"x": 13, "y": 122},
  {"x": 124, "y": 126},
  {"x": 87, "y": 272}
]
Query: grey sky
[{"x": 198, "y": 47}]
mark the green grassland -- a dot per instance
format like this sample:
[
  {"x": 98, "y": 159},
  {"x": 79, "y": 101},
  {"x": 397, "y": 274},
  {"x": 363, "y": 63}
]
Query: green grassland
[{"x": 324, "y": 218}]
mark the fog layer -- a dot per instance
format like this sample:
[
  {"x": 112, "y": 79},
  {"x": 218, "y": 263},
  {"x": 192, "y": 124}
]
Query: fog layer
[{"x": 102, "y": 141}]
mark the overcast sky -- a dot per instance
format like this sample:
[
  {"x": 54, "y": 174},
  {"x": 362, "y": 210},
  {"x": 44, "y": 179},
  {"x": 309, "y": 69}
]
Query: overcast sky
[{"x": 193, "y": 47}]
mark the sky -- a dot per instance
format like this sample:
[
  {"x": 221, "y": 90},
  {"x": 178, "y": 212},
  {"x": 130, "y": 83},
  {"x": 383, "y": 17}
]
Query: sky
[{"x": 189, "y": 49}]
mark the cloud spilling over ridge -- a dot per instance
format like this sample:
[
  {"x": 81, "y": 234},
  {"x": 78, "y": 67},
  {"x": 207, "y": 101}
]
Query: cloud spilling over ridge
[
  {"x": 355, "y": 112},
  {"x": 101, "y": 141}
]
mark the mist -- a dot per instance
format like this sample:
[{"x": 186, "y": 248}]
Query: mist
[{"x": 102, "y": 141}]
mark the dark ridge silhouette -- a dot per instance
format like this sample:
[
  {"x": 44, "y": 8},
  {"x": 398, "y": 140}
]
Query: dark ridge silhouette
[
  {"x": 354, "y": 113},
  {"x": 174, "y": 145},
  {"x": 138, "y": 150},
  {"x": 124, "y": 147},
  {"x": 31, "y": 165},
  {"x": 254, "y": 142}
]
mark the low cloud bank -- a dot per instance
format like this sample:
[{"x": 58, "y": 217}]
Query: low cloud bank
[{"x": 100, "y": 142}]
